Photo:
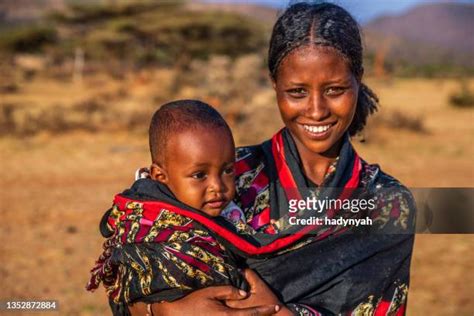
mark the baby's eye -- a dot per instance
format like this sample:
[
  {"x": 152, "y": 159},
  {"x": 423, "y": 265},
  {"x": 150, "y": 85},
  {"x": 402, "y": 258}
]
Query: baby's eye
[
  {"x": 335, "y": 91},
  {"x": 198, "y": 175},
  {"x": 229, "y": 170},
  {"x": 297, "y": 92}
]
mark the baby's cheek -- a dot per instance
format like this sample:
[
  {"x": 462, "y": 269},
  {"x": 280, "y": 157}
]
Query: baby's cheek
[
  {"x": 190, "y": 196},
  {"x": 230, "y": 188}
]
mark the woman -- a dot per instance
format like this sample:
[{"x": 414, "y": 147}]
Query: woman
[{"x": 315, "y": 62}]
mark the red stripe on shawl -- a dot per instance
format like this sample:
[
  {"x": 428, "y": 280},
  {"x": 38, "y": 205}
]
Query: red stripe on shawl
[
  {"x": 164, "y": 235},
  {"x": 189, "y": 260},
  {"x": 142, "y": 231},
  {"x": 353, "y": 182},
  {"x": 284, "y": 173},
  {"x": 215, "y": 250},
  {"x": 401, "y": 310},
  {"x": 241, "y": 167},
  {"x": 382, "y": 308},
  {"x": 270, "y": 230},
  {"x": 111, "y": 222},
  {"x": 261, "y": 218}
]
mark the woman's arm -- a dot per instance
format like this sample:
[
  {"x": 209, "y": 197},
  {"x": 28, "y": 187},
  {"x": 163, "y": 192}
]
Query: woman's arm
[{"x": 207, "y": 301}]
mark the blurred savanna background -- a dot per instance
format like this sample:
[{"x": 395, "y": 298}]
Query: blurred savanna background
[{"x": 79, "y": 81}]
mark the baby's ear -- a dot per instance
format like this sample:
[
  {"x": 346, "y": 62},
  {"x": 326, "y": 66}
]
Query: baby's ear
[{"x": 158, "y": 173}]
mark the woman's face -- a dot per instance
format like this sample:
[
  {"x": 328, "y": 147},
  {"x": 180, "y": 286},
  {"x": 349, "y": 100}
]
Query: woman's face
[{"x": 317, "y": 97}]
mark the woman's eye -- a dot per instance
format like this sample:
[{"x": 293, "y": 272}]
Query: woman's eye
[
  {"x": 335, "y": 91},
  {"x": 297, "y": 92},
  {"x": 198, "y": 175}
]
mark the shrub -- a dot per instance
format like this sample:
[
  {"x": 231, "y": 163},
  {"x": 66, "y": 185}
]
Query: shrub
[
  {"x": 27, "y": 38},
  {"x": 463, "y": 98},
  {"x": 160, "y": 33},
  {"x": 82, "y": 13},
  {"x": 400, "y": 120}
]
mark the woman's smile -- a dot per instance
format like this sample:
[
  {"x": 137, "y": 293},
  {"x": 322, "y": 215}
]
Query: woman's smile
[{"x": 318, "y": 131}]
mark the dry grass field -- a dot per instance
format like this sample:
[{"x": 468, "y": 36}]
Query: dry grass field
[{"x": 56, "y": 186}]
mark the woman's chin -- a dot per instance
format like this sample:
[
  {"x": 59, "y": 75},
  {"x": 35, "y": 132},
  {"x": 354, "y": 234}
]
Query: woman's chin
[{"x": 325, "y": 150}]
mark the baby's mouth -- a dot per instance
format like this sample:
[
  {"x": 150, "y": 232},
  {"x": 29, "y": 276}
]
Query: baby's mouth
[{"x": 216, "y": 203}]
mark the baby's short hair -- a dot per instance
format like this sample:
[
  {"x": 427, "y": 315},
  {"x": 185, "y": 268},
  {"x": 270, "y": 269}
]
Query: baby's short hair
[{"x": 179, "y": 116}]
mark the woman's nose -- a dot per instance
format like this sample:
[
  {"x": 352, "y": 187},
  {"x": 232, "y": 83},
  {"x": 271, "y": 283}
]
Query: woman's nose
[{"x": 317, "y": 108}]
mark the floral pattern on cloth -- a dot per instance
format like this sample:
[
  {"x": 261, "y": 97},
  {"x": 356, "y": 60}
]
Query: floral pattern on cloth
[{"x": 236, "y": 217}]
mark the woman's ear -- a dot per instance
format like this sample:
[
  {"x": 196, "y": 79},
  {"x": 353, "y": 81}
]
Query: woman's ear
[
  {"x": 273, "y": 82},
  {"x": 158, "y": 173}
]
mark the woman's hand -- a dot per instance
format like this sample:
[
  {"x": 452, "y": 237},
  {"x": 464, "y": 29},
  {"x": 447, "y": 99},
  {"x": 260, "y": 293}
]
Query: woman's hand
[
  {"x": 208, "y": 301},
  {"x": 260, "y": 294}
]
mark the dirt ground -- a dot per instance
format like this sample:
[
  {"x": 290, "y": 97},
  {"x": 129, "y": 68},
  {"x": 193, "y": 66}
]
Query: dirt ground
[{"x": 54, "y": 189}]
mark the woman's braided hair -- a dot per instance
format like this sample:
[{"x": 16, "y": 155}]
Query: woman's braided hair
[{"x": 323, "y": 24}]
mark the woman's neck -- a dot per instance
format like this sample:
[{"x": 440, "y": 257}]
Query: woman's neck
[{"x": 316, "y": 165}]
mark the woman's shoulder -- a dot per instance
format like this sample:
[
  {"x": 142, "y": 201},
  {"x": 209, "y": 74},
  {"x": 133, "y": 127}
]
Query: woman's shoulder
[
  {"x": 374, "y": 177},
  {"x": 395, "y": 205}
]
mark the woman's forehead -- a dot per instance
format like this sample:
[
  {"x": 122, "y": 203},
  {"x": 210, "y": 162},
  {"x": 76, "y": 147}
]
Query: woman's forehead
[{"x": 312, "y": 60}]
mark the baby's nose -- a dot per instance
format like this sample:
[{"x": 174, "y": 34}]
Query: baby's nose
[{"x": 216, "y": 185}]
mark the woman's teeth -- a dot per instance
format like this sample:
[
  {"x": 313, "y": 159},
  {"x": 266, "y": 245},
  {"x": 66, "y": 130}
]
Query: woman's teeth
[{"x": 316, "y": 129}]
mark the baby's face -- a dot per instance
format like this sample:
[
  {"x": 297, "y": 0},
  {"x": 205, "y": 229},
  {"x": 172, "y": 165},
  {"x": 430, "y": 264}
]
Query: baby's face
[{"x": 199, "y": 168}]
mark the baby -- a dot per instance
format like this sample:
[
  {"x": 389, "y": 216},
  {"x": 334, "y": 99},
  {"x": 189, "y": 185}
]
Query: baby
[
  {"x": 154, "y": 250},
  {"x": 193, "y": 154}
]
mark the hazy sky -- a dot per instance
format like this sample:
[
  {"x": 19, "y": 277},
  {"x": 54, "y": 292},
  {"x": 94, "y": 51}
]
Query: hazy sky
[{"x": 363, "y": 10}]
